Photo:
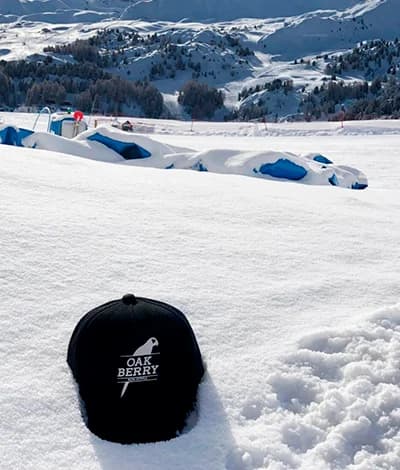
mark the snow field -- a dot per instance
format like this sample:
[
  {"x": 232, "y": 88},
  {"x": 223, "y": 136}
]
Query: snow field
[{"x": 255, "y": 265}]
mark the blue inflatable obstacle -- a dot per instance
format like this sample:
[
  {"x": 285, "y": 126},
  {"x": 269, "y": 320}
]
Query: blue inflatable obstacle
[
  {"x": 283, "y": 168},
  {"x": 11, "y": 135},
  {"x": 128, "y": 150}
]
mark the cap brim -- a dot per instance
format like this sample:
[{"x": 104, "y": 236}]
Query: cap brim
[{"x": 128, "y": 427}]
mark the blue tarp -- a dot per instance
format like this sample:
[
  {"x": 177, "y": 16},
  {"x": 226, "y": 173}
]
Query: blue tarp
[
  {"x": 128, "y": 150},
  {"x": 333, "y": 180},
  {"x": 283, "y": 168},
  {"x": 358, "y": 185},
  {"x": 13, "y": 136},
  {"x": 322, "y": 159},
  {"x": 199, "y": 166}
]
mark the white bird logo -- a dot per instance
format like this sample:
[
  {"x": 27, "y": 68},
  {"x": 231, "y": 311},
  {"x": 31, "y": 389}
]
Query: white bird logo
[{"x": 144, "y": 350}]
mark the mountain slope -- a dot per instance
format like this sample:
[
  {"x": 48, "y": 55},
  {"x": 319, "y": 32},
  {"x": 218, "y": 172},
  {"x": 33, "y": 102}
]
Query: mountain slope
[
  {"x": 62, "y": 11},
  {"x": 327, "y": 32},
  {"x": 232, "y": 55},
  {"x": 165, "y": 10},
  {"x": 225, "y": 10}
]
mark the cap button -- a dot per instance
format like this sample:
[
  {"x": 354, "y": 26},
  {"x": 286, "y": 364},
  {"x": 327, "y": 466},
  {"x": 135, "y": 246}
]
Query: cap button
[{"x": 129, "y": 299}]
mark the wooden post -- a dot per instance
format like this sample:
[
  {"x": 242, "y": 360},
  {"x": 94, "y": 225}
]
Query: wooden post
[{"x": 265, "y": 123}]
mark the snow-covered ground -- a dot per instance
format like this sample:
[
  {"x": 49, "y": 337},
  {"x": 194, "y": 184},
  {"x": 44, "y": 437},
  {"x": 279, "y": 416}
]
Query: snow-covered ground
[{"x": 280, "y": 281}]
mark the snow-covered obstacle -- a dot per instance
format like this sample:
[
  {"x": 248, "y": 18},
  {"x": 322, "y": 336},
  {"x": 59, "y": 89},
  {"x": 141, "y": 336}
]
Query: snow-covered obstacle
[
  {"x": 11, "y": 135},
  {"x": 113, "y": 145},
  {"x": 268, "y": 165},
  {"x": 308, "y": 169},
  {"x": 104, "y": 144}
]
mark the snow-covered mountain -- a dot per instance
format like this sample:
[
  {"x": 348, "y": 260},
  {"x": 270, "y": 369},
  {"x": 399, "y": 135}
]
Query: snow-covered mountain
[
  {"x": 328, "y": 31},
  {"x": 60, "y": 11},
  {"x": 225, "y": 10},
  {"x": 65, "y": 11},
  {"x": 166, "y": 10},
  {"x": 232, "y": 45}
]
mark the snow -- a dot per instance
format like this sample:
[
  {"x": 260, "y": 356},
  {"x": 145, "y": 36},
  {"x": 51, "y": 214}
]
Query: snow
[
  {"x": 281, "y": 283},
  {"x": 337, "y": 400}
]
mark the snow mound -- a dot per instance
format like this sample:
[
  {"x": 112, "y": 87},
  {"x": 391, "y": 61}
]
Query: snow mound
[
  {"x": 333, "y": 404},
  {"x": 308, "y": 169}
]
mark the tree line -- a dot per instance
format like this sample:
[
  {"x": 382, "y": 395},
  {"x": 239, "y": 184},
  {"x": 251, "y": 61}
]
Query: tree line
[
  {"x": 374, "y": 58},
  {"x": 353, "y": 101},
  {"x": 87, "y": 87},
  {"x": 84, "y": 85}
]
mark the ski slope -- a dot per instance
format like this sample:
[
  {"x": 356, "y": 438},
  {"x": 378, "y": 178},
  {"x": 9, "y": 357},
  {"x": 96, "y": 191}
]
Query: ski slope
[{"x": 291, "y": 291}]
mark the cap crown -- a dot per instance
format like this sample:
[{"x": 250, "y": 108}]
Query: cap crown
[{"x": 137, "y": 365}]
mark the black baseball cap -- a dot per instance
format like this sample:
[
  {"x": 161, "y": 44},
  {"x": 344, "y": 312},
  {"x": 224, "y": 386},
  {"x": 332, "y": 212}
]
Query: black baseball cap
[{"x": 137, "y": 365}]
